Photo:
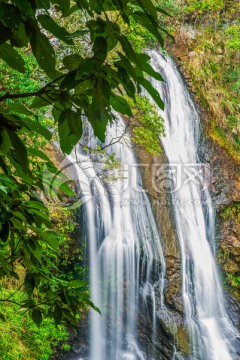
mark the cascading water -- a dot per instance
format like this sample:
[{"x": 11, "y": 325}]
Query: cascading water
[
  {"x": 126, "y": 259},
  {"x": 212, "y": 334}
]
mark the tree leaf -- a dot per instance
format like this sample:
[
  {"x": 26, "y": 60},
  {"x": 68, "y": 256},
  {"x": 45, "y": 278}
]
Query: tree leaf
[
  {"x": 77, "y": 283},
  {"x": 150, "y": 24},
  {"x": 50, "y": 25},
  {"x": 19, "y": 108},
  {"x": 12, "y": 57},
  {"x": 100, "y": 49},
  {"x": 38, "y": 153},
  {"x": 20, "y": 150},
  {"x": 153, "y": 92},
  {"x": 4, "y": 233},
  {"x": 148, "y": 5},
  {"x": 29, "y": 283},
  {"x": 24, "y": 6},
  {"x": 143, "y": 63},
  {"x": 77, "y": 34},
  {"x": 38, "y": 128},
  {"x": 37, "y": 317},
  {"x": 120, "y": 104},
  {"x": 43, "y": 52},
  {"x": 63, "y": 5},
  {"x": 70, "y": 130}
]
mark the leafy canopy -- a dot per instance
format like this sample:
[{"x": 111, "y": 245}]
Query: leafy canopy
[{"x": 94, "y": 85}]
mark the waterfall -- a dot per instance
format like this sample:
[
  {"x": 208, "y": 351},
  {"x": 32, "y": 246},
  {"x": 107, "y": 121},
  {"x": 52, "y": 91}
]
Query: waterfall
[
  {"x": 127, "y": 266},
  {"x": 126, "y": 258},
  {"x": 212, "y": 334}
]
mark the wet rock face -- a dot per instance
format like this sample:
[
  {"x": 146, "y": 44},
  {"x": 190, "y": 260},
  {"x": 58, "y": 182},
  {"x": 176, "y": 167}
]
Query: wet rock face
[
  {"x": 170, "y": 329},
  {"x": 161, "y": 345},
  {"x": 225, "y": 193},
  {"x": 152, "y": 176},
  {"x": 224, "y": 182}
]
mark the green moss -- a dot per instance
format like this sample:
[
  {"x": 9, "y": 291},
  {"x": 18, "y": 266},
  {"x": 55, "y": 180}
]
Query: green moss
[{"x": 231, "y": 211}]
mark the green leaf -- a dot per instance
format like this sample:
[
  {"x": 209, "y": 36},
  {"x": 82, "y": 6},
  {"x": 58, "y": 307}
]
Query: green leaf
[
  {"x": 12, "y": 57},
  {"x": 5, "y": 143},
  {"x": 5, "y": 33},
  {"x": 70, "y": 130},
  {"x": 63, "y": 5},
  {"x": 70, "y": 11},
  {"x": 4, "y": 189},
  {"x": 50, "y": 239},
  {"x": 38, "y": 128},
  {"x": 37, "y": 316},
  {"x": 66, "y": 189},
  {"x": 90, "y": 303},
  {"x": 77, "y": 34},
  {"x": 126, "y": 65},
  {"x": 148, "y": 5},
  {"x": 100, "y": 49},
  {"x": 38, "y": 153},
  {"x": 143, "y": 63},
  {"x": 49, "y": 24},
  {"x": 72, "y": 62},
  {"x": 120, "y": 105},
  {"x": 43, "y": 52},
  {"x": 77, "y": 283},
  {"x": 19, "y": 108},
  {"x": 150, "y": 24},
  {"x": 41, "y": 101},
  {"x": 19, "y": 36},
  {"x": 29, "y": 283},
  {"x": 99, "y": 109},
  {"x": 128, "y": 49},
  {"x": 153, "y": 92},
  {"x": 36, "y": 205},
  {"x": 4, "y": 233},
  {"x": 24, "y": 6},
  {"x": 161, "y": 10},
  {"x": 20, "y": 150}
]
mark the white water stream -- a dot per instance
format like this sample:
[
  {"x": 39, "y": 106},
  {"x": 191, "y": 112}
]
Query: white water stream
[
  {"x": 212, "y": 334},
  {"x": 124, "y": 244}
]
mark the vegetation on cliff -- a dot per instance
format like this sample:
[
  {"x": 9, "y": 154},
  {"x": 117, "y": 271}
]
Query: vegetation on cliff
[{"x": 207, "y": 43}]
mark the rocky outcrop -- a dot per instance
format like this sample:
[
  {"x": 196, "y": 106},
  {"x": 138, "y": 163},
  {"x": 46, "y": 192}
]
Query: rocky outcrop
[
  {"x": 170, "y": 328},
  {"x": 225, "y": 193}
]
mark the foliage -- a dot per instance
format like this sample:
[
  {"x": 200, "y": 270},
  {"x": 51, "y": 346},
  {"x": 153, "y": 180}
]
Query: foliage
[
  {"x": 70, "y": 86},
  {"x": 20, "y": 337},
  {"x": 17, "y": 82},
  {"x": 208, "y": 45},
  {"x": 231, "y": 211},
  {"x": 149, "y": 125},
  {"x": 234, "y": 280},
  {"x": 233, "y": 41},
  {"x": 139, "y": 38},
  {"x": 204, "y": 5}
]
